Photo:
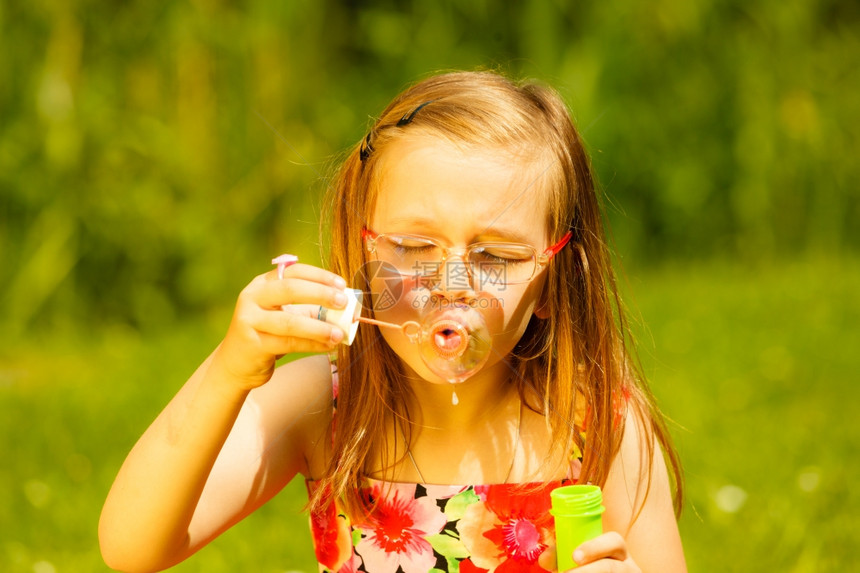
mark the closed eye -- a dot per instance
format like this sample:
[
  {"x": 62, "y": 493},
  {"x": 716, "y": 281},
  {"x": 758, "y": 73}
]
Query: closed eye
[
  {"x": 406, "y": 246},
  {"x": 413, "y": 249},
  {"x": 503, "y": 254}
]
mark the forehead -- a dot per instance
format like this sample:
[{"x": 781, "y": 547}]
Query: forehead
[{"x": 463, "y": 191}]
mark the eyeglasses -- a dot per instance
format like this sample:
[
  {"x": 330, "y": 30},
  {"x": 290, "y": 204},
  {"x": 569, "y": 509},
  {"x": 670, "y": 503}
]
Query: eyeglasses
[{"x": 486, "y": 263}]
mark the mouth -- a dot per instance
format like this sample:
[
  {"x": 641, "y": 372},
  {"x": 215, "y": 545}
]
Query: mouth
[
  {"x": 454, "y": 342},
  {"x": 447, "y": 339},
  {"x": 450, "y": 339}
]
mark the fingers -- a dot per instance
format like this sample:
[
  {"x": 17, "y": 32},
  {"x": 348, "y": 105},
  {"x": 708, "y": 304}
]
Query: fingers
[
  {"x": 281, "y": 346},
  {"x": 308, "y": 272},
  {"x": 289, "y": 307},
  {"x": 278, "y": 316},
  {"x": 302, "y": 284},
  {"x": 606, "y": 553},
  {"x": 609, "y": 545},
  {"x": 298, "y": 322}
]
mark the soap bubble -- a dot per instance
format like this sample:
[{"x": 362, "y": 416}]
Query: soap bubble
[{"x": 454, "y": 341}]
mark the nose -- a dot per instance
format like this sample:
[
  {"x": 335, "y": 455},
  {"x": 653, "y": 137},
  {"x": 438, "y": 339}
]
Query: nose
[{"x": 455, "y": 280}]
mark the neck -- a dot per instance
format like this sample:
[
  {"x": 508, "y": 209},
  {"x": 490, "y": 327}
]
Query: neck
[
  {"x": 478, "y": 396},
  {"x": 466, "y": 443}
]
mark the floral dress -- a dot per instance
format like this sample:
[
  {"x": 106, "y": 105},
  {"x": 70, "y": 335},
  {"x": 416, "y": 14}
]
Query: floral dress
[{"x": 418, "y": 528}]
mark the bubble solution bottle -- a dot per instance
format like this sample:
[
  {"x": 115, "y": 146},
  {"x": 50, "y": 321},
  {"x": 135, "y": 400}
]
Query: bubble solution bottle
[{"x": 578, "y": 512}]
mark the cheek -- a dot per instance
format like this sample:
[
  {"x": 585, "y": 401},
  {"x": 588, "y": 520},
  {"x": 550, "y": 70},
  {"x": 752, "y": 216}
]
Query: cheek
[
  {"x": 514, "y": 310},
  {"x": 396, "y": 299},
  {"x": 398, "y": 302}
]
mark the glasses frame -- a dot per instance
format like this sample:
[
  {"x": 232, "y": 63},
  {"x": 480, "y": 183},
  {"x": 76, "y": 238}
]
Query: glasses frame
[{"x": 541, "y": 259}]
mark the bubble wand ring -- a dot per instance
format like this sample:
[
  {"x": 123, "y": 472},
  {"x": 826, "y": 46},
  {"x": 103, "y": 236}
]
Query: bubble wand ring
[{"x": 410, "y": 328}]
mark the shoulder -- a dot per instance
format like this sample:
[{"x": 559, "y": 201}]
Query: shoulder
[
  {"x": 298, "y": 386},
  {"x": 307, "y": 378},
  {"x": 295, "y": 409}
]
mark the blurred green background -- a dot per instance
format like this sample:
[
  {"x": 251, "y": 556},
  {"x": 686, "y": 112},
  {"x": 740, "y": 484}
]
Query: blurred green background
[{"x": 155, "y": 155}]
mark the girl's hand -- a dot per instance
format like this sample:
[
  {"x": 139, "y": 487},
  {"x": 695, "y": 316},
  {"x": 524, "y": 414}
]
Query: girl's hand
[
  {"x": 274, "y": 317},
  {"x": 606, "y": 553}
]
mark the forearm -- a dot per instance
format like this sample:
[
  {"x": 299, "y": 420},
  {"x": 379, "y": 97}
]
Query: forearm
[
  {"x": 146, "y": 523},
  {"x": 145, "y": 520}
]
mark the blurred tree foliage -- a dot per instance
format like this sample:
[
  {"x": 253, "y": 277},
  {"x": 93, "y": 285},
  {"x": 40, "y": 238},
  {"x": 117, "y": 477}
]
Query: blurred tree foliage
[{"x": 154, "y": 155}]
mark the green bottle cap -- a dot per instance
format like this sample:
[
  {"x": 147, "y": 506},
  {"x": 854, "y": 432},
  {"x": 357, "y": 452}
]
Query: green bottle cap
[{"x": 577, "y": 500}]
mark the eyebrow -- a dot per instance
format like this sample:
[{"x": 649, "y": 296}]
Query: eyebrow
[
  {"x": 507, "y": 235},
  {"x": 491, "y": 233}
]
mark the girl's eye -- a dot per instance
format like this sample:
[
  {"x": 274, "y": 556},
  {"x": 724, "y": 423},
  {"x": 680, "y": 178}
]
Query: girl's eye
[
  {"x": 409, "y": 246},
  {"x": 414, "y": 248},
  {"x": 507, "y": 255}
]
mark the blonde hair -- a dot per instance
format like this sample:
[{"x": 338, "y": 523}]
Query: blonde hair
[{"x": 579, "y": 352}]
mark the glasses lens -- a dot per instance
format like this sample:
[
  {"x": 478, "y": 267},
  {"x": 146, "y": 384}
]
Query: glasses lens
[
  {"x": 502, "y": 263},
  {"x": 409, "y": 255},
  {"x": 490, "y": 263}
]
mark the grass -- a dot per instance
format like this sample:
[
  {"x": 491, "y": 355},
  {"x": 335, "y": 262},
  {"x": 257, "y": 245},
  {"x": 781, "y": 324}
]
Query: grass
[{"x": 756, "y": 368}]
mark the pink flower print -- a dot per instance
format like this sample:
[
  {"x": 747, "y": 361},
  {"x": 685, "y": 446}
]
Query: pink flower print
[
  {"x": 394, "y": 533},
  {"x": 509, "y": 529},
  {"x": 444, "y": 491},
  {"x": 481, "y": 491}
]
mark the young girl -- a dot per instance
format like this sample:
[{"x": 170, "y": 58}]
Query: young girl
[{"x": 472, "y": 198}]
